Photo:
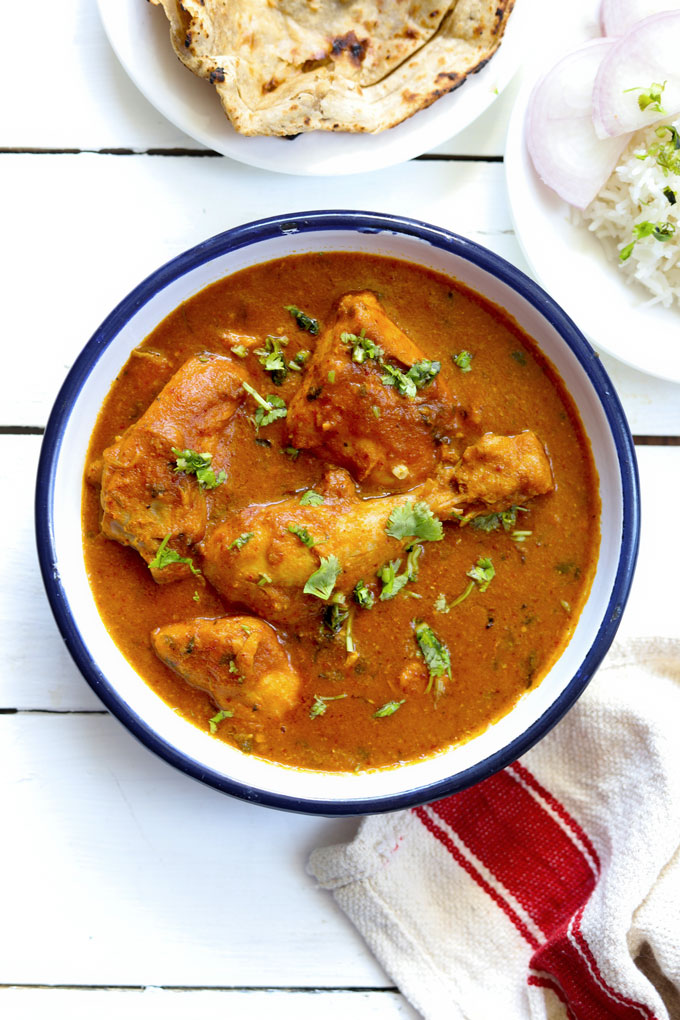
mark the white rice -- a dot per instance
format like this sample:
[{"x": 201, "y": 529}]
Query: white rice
[{"x": 634, "y": 194}]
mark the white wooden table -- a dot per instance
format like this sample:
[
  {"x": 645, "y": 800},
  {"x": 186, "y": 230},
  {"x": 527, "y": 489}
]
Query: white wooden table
[{"x": 129, "y": 889}]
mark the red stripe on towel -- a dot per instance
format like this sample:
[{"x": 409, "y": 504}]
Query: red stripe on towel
[
  {"x": 446, "y": 841},
  {"x": 527, "y": 851},
  {"x": 541, "y": 859}
]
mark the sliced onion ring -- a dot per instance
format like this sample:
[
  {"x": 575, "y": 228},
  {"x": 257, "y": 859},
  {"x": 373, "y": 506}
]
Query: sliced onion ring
[
  {"x": 647, "y": 55},
  {"x": 617, "y": 16},
  {"x": 566, "y": 153}
]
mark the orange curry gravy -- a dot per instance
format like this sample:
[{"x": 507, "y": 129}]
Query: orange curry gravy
[{"x": 501, "y": 641}]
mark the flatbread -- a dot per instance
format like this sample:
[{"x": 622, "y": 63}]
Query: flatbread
[{"x": 285, "y": 66}]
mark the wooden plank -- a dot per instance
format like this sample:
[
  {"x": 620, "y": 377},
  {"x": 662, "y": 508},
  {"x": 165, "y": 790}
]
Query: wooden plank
[
  {"x": 173, "y": 1004},
  {"x": 125, "y": 872},
  {"x": 118, "y": 218},
  {"x": 109, "y": 229}
]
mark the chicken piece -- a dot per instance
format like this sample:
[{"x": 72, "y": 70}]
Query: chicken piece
[
  {"x": 263, "y": 556},
  {"x": 236, "y": 659},
  {"x": 502, "y": 471},
  {"x": 143, "y": 498},
  {"x": 345, "y": 413}
]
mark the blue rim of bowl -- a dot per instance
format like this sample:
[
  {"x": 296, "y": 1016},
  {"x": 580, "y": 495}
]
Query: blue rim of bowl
[{"x": 359, "y": 222}]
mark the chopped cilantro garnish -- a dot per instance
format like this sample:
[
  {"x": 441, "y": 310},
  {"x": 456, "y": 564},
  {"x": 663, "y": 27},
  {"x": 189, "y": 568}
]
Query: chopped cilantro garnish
[
  {"x": 303, "y": 320},
  {"x": 224, "y": 713},
  {"x": 335, "y": 614},
  {"x": 670, "y": 195},
  {"x": 440, "y": 604},
  {"x": 463, "y": 360},
  {"x": 320, "y": 702},
  {"x": 363, "y": 595},
  {"x": 414, "y": 520},
  {"x": 264, "y": 579},
  {"x": 240, "y": 351},
  {"x": 423, "y": 372},
  {"x": 482, "y": 573},
  {"x": 291, "y": 452},
  {"x": 239, "y": 542},
  {"x": 273, "y": 359},
  {"x": 322, "y": 581},
  {"x": 492, "y": 522},
  {"x": 392, "y": 581},
  {"x": 362, "y": 347},
  {"x": 191, "y": 463},
  {"x": 395, "y": 377},
  {"x": 311, "y": 498},
  {"x": 650, "y": 99},
  {"x": 661, "y": 231},
  {"x": 388, "y": 709},
  {"x": 331, "y": 376},
  {"x": 413, "y": 555},
  {"x": 436, "y": 655},
  {"x": 302, "y": 534},
  {"x": 666, "y": 152},
  {"x": 520, "y": 536},
  {"x": 164, "y": 557}
]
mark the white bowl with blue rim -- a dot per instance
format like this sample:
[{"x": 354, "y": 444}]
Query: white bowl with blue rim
[{"x": 60, "y": 547}]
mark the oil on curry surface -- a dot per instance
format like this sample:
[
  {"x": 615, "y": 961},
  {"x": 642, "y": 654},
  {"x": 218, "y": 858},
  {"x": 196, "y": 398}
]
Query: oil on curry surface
[{"x": 340, "y": 512}]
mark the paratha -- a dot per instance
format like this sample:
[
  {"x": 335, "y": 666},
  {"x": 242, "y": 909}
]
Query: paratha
[{"x": 281, "y": 67}]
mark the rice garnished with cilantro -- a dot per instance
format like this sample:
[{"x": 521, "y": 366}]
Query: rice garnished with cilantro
[{"x": 637, "y": 212}]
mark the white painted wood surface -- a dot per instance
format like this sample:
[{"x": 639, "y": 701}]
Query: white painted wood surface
[{"x": 119, "y": 872}]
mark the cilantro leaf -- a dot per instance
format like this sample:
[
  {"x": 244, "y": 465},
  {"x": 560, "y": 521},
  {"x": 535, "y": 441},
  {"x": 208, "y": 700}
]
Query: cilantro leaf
[
  {"x": 239, "y": 542},
  {"x": 463, "y": 360},
  {"x": 363, "y": 595},
  {"x": 320, "y": 702},
  {"x": 482, "y": 573},
  {"x": 224, "y": 713},
  {"x": 164, "y": 557},
  {"x": 311, "y": 498},
  {"x": 392, "y": 581},
  {"x": 388, "y": 709},
  {"x": 270, "y": 409},
  {"x": 322, "y": 581},
  {"x": 423, "y": 372},
  {"x": 492, "y": 522},
  {"x": 191, "y": 463},
  {"x": 414, "y": 553},
  {"x": 402, "y": 383},
  {"x": 416, "y": 520},
  {"x": 303, "y": 320},
  {"x": 302, "y": 534},
  {"x": 272, "y": 358},
  {"x": 436, "y": 655},
  {"x": 650, "y": 99},
  {"x": 661, "y": 231},
  {"x": 362, "y": 347}
]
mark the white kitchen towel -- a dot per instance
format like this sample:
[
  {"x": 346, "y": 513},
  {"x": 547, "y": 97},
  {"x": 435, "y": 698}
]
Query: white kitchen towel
[{"x": 530, "y": 895}]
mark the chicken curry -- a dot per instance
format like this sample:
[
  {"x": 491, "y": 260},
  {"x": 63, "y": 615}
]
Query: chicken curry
[{"x": 340, "y": 512}]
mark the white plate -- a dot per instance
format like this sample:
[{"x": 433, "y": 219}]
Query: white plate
[
  {"x": 571, "y": 264},
  {"x": 139, "y": 34}
]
